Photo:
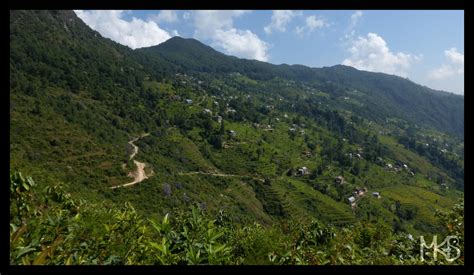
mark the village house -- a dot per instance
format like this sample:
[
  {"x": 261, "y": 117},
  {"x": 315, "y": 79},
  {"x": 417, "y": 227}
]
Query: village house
[
  {"x": 175, "y": 97},
  {"x": 232, "y": 133},
  {"x": 352, "y": 201},
  {"x": 207, "y": 111},
  {"x": 376, "y": 194},
  {"x": 302, "y": 171},
  {"x": 189, "y": 101},
  {"x": 339, "y": 180},
  {"x": 231, "y": 110},
  {"x": 359, "y": 192},
  {"x": 379, "y": 160}
]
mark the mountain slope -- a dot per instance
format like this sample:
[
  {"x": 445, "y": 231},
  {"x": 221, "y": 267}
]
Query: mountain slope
[
  {"x": 385, "y": 95},
  {"x": 396, "y": 96},
  {"x": 218, "y": 138}
]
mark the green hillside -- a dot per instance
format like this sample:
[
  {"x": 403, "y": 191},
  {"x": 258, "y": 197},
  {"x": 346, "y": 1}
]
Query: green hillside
[{"x": 180, "y": 125}]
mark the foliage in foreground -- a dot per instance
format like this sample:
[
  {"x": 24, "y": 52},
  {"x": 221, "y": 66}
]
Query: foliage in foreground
[{"x": 50, "y": 227}]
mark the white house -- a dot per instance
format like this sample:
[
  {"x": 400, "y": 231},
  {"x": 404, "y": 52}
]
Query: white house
[
  {"x": 303, "y": 171},
  {"x": 351, "y": 199},
  {"x": 376, "y": 194}
]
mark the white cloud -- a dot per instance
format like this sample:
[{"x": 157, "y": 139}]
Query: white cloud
[
  {"x": 168, "y": 16},
  {"x": 280, "y": 18},
  {"x": 241, "y": 43},
  {"x": 207, "y": 22},
  {"x": 136, "y": 33},
  {"x": 350, "y": 30},
  {"x": 455, "y": 65},
  {"x": 354, "y": 19},
  {"x": 311, "y": 23},
  {"x": 218, "y": 28},
  {"x": 371, "y": 53},
  {"x": 454, "y": 56}
]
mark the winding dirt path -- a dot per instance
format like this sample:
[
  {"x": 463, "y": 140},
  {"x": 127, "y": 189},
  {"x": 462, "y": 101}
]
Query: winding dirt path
[{"x": 138, "y": 175}]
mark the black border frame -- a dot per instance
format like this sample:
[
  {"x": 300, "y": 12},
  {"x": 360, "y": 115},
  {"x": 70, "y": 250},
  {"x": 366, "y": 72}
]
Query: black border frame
[{"x": 6, "y": 268}]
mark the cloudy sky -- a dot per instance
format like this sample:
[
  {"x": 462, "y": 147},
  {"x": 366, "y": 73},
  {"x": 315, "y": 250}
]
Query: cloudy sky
[{"x": 424, "y": 46}]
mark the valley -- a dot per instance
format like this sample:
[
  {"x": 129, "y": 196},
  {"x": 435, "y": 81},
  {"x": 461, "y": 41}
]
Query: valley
[{"x": 242, "y": 161}]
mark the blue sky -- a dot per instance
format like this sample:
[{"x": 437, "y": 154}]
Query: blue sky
[{"x": 426, "y": 46}]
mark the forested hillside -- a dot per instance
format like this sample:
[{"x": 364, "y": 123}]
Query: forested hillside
[{"x": 216, "y": 157}]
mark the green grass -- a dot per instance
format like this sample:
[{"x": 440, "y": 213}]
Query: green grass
[
  {"x": 425, "y": 201},
  {"x": 303, "y": 198}
]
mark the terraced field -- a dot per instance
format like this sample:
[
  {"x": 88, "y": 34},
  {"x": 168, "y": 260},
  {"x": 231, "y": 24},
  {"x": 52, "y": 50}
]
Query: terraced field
[
  {"x": 303, "y": 201},
  {"x": 425, "y": 201}
]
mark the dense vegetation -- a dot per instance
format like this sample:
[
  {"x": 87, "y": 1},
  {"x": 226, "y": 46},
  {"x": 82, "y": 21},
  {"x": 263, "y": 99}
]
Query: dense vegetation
[
  {"x": 50, "y": 227},
  {"x": 228, "y": 141}
]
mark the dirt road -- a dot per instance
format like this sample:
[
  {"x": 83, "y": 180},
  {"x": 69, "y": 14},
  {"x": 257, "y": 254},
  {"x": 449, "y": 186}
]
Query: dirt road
[{"x": 138, "y": 175}]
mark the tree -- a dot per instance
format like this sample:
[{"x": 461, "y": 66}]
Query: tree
[
  {"x": 216, "y": 141},
  {"x": 356, "y": 168}
]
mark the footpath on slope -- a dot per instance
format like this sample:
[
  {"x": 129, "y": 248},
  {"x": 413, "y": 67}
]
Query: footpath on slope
[{"x": 138, "y": 175}]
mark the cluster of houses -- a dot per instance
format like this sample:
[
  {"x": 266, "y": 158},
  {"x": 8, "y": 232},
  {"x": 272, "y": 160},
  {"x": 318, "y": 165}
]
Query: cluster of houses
[
  {"x": 359, "y": 193},
  {"x": 398, "y": 168},
  {"x": 294, "y": 128},
  {"x": 265, "y": 127},
  {"x": 192, "y": 80}
]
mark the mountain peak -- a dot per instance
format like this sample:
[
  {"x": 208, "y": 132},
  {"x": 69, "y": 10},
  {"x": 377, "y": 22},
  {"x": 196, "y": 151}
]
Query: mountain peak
[{"x": 179, "y": 44}]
